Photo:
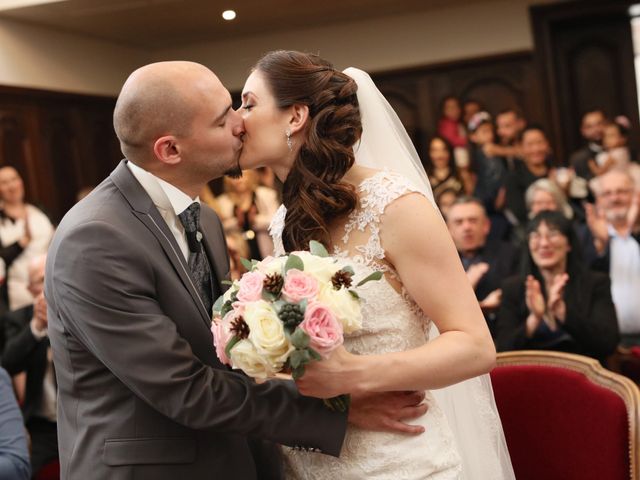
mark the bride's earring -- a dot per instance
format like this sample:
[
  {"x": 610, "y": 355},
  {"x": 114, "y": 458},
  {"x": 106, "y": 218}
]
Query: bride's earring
[{"x": 289, "y": 141}]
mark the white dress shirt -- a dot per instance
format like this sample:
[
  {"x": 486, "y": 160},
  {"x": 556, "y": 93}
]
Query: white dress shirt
[
  {"x": 169, "y": 200},
  {"x": 624, "y": 270}
]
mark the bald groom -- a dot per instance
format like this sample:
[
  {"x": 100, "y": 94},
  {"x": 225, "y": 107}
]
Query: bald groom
[{"x": 129, "y": 286}]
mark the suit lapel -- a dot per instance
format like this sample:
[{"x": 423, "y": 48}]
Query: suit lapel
[{"x": 144, "y": 209}]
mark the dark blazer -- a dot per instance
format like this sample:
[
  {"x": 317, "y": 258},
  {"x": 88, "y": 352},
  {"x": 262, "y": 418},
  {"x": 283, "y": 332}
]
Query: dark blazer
[
  {"x": 141, "y": 392},
  {"x": 25, "y": 353},
  {"x": 579, "y": 160},
  {"x": 590, "y": 327}
]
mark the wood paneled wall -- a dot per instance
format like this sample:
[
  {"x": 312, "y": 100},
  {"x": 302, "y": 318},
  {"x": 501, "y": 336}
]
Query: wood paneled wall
[{"x": 60, "y": 143}]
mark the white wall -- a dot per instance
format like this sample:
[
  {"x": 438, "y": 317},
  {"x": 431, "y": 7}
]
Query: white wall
[
  {"x": 36, "y": 57},
  {"x": 443, "y": 34},
  {"x": 48, "y": 59}
]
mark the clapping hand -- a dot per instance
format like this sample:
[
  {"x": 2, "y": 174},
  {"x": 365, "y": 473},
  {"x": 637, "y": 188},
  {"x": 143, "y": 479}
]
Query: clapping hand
[
  {"x": 492, "y": 301},
  {"x": 475, "y": 273},
  {"x": 555, "y": 304},
  {"x": 598, "y": 225},
  {"x": 39, "y": 320},
  {"x": 535, "y": 303}
]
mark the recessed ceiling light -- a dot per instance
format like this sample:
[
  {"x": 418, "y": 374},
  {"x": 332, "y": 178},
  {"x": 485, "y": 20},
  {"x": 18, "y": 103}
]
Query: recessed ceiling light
[{"x": 228, "y": 14}]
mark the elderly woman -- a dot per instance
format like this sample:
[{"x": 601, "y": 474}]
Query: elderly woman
[
  {"x": 557, "y": 304},
  {"x": 545, "y": 194}
]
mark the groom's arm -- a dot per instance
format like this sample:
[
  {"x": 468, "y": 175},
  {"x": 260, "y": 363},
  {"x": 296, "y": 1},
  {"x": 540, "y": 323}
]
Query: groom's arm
[{"x": 104, "y": 294}]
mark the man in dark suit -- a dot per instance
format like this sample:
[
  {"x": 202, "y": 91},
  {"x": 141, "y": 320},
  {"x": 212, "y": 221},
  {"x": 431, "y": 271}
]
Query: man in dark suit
[
  {"x": 592, "y": 129},
  {"x": 131, "y": 275},
  {"x": 486, "y": 263},
  {"x": 27, "y": 350}
]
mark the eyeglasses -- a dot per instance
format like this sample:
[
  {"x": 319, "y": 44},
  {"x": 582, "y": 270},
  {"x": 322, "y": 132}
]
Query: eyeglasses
[
  {"x": 551, "y": 236},
  {"x": 619, "y": 191}
]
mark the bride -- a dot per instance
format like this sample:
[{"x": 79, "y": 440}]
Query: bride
[{"x": 353, "y": 181}]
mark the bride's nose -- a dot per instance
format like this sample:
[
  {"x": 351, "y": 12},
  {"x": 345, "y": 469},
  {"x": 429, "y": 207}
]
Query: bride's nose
[{"x": 238, "y": 127}]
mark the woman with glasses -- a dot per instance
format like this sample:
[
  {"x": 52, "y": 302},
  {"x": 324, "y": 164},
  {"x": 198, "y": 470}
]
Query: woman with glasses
[{"x": 557, "y": 304}]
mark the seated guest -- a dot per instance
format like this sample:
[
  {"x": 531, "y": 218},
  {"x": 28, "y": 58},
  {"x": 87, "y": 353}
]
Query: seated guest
[
  {"x": 509, "y": 125},
  {"x": 558, "y": 304},
  {"x": 544, "y": 194},
  {"x": 16, "y": 218},
  {"x": 592, "y": 130},
  {"x": 247, "y": 208},
  {"x": 14, "y": 454},
  {"x": 535, "y": 150},
  {"x": 486, "y": 263},
  {"x": 441, "y": 168},
  {"x": 27, "y": 350},
  {"x": 469, "y": 108},
  {"x": 615, "y": 242}
]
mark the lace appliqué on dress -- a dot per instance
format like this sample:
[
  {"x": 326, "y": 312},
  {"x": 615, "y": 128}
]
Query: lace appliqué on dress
[{"x": 392, "y": 322}]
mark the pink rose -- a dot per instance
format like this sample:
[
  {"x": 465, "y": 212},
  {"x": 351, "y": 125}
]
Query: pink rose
[
  {"x": 250, "y": 287},
  {"x": 298, "y": 286},
  {"x": 323, "y": 328},
  {"x": 221, "y": 330}
]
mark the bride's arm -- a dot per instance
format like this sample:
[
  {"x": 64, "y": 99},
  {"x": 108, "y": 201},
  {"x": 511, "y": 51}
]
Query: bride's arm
[{"x": 417, "y": 243}]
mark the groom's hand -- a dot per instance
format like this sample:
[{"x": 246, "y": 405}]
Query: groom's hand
[{"x": 387, "y": 411}]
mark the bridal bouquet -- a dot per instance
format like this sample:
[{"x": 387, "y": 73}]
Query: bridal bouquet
[{"x": 286, "y": 312}]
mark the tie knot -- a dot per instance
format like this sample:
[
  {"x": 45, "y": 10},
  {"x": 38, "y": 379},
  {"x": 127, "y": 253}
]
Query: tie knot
[{"x": 190, "y": 218}]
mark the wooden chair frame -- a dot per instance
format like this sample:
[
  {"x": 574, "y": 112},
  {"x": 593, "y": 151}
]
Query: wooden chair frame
[{"x": 590, "y": 368}]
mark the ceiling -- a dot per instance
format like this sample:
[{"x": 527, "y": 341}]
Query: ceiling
[{"x": 155, "y": 24}]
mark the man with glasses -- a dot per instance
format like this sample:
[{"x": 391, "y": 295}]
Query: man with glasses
[{"x": 616, "y": 239}]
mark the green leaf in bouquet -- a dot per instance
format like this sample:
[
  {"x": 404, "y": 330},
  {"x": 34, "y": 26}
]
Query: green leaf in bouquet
[
  {"x": 317, "y": 249},
  {"x": 303, "y": 305},
  {"x": 278, "y": 304},
  {"x": 268, "y": 296},
  {"x": 348, "y": 269},
  {"x": 226, "y": 282},
  {"x": 313, "y": 354},
  {"x": 218, "y": 305},
  {"x": 299, "y": 338},
  {"x": 254, "y": 264},
  {"x": 232, "y": 343},
  {"x": 372, "y": 277},
  {"x": 294, "y": 262},
  {"x": 226, "y": 308},
  {"x": 247, "y": 264},
  {"x": 297, "y": 373},
  {"x": 354, "y": 294},
  {"x": 299, "y": 358}
]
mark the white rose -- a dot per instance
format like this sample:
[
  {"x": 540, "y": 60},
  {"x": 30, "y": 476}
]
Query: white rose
[
  {"x": 344, "y": 306},
  {"x": 322, "y": 268},
  {"x": 266, "y": 333},
  {"x": 244, "y": 356},
  {"x": 271, "y": 265}
]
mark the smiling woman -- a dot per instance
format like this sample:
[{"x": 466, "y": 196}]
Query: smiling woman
[{"x": 558, "y": 304}]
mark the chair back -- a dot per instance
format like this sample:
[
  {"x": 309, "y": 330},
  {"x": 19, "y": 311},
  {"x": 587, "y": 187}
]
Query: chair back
[{"x": 565, "y": 417}]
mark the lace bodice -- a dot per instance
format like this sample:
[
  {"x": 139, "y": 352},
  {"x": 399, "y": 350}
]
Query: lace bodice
[{"x": 391, "y": 322}]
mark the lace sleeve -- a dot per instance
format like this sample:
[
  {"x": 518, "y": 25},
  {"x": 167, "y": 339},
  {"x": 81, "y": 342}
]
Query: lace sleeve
[
  {"x": 376, "y": 193},
  {"x": 275, "y": 230}
]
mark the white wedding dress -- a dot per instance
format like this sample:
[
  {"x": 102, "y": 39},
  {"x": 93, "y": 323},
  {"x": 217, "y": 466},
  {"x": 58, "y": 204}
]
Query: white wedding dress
[
  {"x": 391, "y": 322},
  {"x": 463, "y": 436}
]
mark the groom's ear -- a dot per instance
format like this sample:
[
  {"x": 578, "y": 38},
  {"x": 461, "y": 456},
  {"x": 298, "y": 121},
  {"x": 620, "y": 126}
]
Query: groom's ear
[
  {"x": 166, "y": 150},
  {"x": 299, "y": 117}
]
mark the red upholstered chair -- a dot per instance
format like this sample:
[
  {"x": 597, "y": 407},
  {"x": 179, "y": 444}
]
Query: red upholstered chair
[
  {"x": 565, "y": 417},
  {"x": 51, "y": 471}
]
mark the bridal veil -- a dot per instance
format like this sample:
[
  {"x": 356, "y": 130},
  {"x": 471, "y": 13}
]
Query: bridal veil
[{"x": 469, "y": 406}]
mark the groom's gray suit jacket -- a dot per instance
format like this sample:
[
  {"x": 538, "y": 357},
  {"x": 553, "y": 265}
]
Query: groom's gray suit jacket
[{"x": 141, "y": 392}]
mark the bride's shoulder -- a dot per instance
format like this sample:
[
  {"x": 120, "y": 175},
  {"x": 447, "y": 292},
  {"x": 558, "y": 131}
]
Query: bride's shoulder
[{"x": 382, "y": 187}]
